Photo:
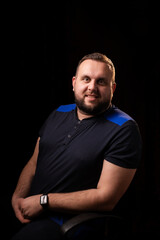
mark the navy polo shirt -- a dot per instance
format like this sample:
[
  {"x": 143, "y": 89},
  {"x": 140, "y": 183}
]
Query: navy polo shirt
[{"x": 71, "y": 152}]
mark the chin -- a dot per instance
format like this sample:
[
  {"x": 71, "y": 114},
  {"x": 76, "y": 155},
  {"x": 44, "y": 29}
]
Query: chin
[{"x": 91, "y": 108}]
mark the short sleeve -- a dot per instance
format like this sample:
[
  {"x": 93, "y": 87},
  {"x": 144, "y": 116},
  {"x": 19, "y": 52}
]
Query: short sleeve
[{"x": 126, "y": 146}]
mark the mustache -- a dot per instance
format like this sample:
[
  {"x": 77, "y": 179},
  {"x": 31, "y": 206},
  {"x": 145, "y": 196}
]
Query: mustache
[{"x": 92, "y": 93}]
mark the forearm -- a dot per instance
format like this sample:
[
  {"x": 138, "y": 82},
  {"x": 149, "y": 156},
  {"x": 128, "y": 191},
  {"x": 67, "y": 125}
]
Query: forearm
[
  {"x": 87, "y": 200},
  {"x": 22, "y": 191},
  {"x": 26, "y": 176},
  {"x": 25, "y": 180},
  {"x": 112, "y": 184}
]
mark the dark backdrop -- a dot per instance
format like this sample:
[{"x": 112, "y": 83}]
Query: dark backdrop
[{"x": 42, "y": 50}]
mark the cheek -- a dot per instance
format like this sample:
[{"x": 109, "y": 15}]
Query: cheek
[
  {"x": 106, "y": 94},
  {"x": 80, "y": 89}
]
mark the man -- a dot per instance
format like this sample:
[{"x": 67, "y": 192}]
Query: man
[{"x": 85, "y": 157}]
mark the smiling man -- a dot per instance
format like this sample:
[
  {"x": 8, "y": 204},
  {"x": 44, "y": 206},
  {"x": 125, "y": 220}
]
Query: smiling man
[
  {"x": 93, "y": 85},
  {"x": 85, "y": 158}
]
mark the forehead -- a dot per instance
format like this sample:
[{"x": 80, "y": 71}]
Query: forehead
[{"x": 94, "y": 69}]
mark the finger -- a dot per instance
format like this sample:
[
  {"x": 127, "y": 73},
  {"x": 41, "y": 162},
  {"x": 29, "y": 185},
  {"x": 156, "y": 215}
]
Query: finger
[
  {"x": 21, "y": 218},
  {"x": 25, "y": 220}
]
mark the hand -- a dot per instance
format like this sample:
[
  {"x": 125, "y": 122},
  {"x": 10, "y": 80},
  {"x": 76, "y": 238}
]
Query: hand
[
  {"x": 16, "y": 204},
  {"x": 30, "y": 207},
  {"x": 27, "y": 208}
]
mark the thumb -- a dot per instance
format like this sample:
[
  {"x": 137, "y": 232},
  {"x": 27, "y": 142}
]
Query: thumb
[
  {"x": 18, "y": 212},
  {"x": 21, "y": 218}
]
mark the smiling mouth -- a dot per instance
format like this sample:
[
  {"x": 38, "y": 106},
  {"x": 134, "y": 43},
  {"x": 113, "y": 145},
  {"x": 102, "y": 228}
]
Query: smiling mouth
[{"x": 91, "y": 97}]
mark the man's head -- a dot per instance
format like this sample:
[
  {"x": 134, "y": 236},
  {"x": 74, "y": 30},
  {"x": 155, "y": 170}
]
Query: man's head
[
  {"x": 100, "y": 58},
  {"x": 94, "y": 84}
]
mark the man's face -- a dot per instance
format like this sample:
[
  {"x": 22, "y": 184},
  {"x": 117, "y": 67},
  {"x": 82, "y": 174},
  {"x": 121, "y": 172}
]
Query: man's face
[{"x": 93, "y": 87}]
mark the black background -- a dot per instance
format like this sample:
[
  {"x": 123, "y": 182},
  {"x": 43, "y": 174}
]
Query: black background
[{"x": 42, "y": 46}]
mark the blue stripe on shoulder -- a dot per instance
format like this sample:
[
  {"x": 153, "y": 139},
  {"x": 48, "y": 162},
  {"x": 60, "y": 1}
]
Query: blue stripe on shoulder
[
  {"x": 117, "y": 116},
  {"x": 66, "y": 108}
]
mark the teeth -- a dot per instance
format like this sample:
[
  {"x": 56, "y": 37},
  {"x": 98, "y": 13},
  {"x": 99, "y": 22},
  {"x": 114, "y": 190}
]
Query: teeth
[{"x": 91, "y": 97}]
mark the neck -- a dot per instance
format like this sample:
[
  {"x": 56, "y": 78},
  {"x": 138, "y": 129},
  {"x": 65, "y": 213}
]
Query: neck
[{"x": 81, "y": 115}]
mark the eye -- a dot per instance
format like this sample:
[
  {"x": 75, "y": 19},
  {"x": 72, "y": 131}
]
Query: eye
[
  {"x": 86, "y": 79},
  {"x": 102, "y": 81}
]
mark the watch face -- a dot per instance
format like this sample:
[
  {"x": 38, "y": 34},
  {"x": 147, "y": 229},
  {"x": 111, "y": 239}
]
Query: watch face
[{"x": 43, "y": 199}]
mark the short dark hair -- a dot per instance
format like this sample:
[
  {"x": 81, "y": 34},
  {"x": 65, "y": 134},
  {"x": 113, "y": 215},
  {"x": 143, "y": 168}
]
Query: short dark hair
[{"x": 96, "y": 56}]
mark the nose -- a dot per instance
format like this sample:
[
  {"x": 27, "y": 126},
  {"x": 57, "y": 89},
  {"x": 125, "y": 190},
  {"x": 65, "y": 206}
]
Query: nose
[{"x": 92, "y": 85}]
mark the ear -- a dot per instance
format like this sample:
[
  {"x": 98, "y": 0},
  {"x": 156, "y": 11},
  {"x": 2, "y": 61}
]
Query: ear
[
  {"x": 113, "y": 87},
  {"x": 73, "y": 82}
]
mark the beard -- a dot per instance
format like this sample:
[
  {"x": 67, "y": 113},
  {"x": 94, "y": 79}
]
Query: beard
[{"x": 92, "y": 110}]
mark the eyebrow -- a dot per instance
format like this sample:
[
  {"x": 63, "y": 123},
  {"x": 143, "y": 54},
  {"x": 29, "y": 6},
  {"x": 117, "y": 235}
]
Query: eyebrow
[
  {"x": 99, "y": 78},
  {"x": 85, "y": 75}
]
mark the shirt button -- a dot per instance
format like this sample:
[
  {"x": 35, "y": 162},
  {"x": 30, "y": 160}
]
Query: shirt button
[{"x": 69, "y": 136}]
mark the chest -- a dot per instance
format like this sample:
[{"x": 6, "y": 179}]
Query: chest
[{"x": 81, "y": 139}]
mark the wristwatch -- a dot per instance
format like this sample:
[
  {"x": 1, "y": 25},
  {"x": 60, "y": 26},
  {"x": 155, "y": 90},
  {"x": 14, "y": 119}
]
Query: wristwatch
[{"x": 44, "y": 201}]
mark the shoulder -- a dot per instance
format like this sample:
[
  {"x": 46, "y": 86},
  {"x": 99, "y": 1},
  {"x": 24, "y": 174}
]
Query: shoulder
[
  {"x": 61, "y": 112},
  {"x": 124, "y": 129},
  {"x": 58, "y": 116},
  {"x": 117, "y": 116},
  {"x": 66, "y": 108}
]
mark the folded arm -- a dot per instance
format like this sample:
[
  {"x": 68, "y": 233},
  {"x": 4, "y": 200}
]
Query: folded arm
[{"x": 113, "y": 183}]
